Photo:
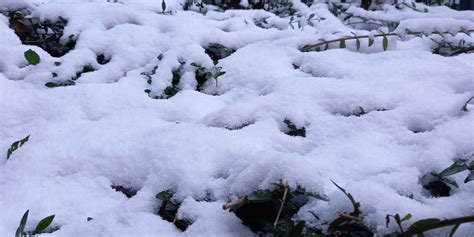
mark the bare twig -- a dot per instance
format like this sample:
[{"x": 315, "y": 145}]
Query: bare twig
[
  {"x": 285, "y": 193},
  {"x": 234, "y": 203},
  {"x": 350, "y": 217}
]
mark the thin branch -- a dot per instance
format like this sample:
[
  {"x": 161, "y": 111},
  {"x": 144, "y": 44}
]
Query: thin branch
[
  {"x": 285, "y": 193},
  {"x": 235, "y": 203},
  {"x": 309, "y": 47}
]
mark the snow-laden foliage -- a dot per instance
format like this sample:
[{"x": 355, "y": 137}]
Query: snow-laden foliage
[{"x": 147, "y": 117}]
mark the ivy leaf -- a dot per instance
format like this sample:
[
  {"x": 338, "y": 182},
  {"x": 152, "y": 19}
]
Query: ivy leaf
[
  {"x": 43, "y": 224},
  {"x": 32, "y": 57},
  {"x": 371, "y": 42},
  {"x": 16, "y": 145},
  {"x": 385, "y": 43},
  {"x": 164, "y": 195},
  {"x": 260, "y": 196},
  {"x": 342, "y": 44},
  {"x": 297, "y": 229},
  {"x": 358, "y": 44},
  {"x": 336, "y": 223},
  {"x": 21, "y": 227}
]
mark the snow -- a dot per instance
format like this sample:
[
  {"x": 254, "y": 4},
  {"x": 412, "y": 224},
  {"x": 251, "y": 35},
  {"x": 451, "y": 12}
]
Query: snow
[{"x": 106, "y": 131}]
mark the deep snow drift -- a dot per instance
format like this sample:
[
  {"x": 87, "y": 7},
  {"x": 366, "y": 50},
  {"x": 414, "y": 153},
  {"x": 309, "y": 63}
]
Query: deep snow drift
[{"x": 105, "y": 130}]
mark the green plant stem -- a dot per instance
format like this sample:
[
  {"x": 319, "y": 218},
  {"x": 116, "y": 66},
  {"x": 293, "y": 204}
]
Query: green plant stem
[
  {"x": 443, "y": 223},
  {"x": 309, "y": 47}
]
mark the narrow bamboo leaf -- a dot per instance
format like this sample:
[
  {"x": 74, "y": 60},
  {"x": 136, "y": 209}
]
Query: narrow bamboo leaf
[
  {"x": 43, "y": 224},
  {"x": 163, "y": 5},
  {"x": 453, "y": 230},
  {"x": 424, "y": 222},
  {"x": 406, "y": 217},
  {"x": 16, "y": 145},
  {"x": 385, "y": 43},
  {"x": 464, "y": 107},
  {"x": 21, "y": 227},
  {"x": 371, "y": 42},
  {"x": 342, "y": 44},
  {"x": 358, "y": 44},
  {"x": 470, "y": 177},
  {"x": 456, "y": 167}
]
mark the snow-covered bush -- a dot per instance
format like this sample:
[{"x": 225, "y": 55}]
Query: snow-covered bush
[{"x": 251, "y": 109}]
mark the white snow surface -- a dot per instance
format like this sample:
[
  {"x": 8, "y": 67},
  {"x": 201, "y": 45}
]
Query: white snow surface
[{"x": 106, "y": 131}]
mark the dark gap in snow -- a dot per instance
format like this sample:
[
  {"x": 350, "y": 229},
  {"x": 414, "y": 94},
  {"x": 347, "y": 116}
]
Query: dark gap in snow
[
  {"x": 437, "y": 186},
  {"x": 128, "y": 191},
  {"x": 292, "y": 130},
  {"x": 169, "y": 210},
  {"x": 358, "y": 111},
  {"x": 85, "y": 69},
  {"x": 45, "y": 34},
  {"x": 102, "y": 59},
  {"x": 217, "y": 52}
]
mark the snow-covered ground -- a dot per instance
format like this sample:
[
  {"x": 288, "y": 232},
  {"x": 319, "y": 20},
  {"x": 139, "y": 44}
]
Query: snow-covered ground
[{"x": 106, "y": 130}]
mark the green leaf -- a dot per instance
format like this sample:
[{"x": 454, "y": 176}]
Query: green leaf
[
  {"x": 16, "y": 145},
  {"x": 336, "y": 223},
  {"x": 220, "y": 74},
  {"x": 164, "y": 195},
  {"x": 342, "y": 44},
  {"x": 470, "y": 177},
  {"x": 357, "y": 44},
  {"x": 170, "y": 206},
  {"x": 449, "y": 181},
  {"x": 318, "y": 196},
  {"x": 456, "y": 167},
  {"x": 195, "y": 65},
  {"x": 355, "y": 204},
  {"x": 297, "y": 229},
  {"x": 385, "y": 43},
  {"x": 453, "y": 230},
  {"x": 371, "y": 42},
  {"x": 163, "y": 5},
  {"x": 43, "y": 224},
  {"x": 260, "y": 196},
  {"x": 21, "y": 227},
  {"x": 422, "y": 223},
  {"x": 32, "y": 57},
  {"x": 326, "y": 47},
  {"x": 406, "y": 217},
  {"x": 464, "y": 107},
  {"x": 160, "y": 57}
]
